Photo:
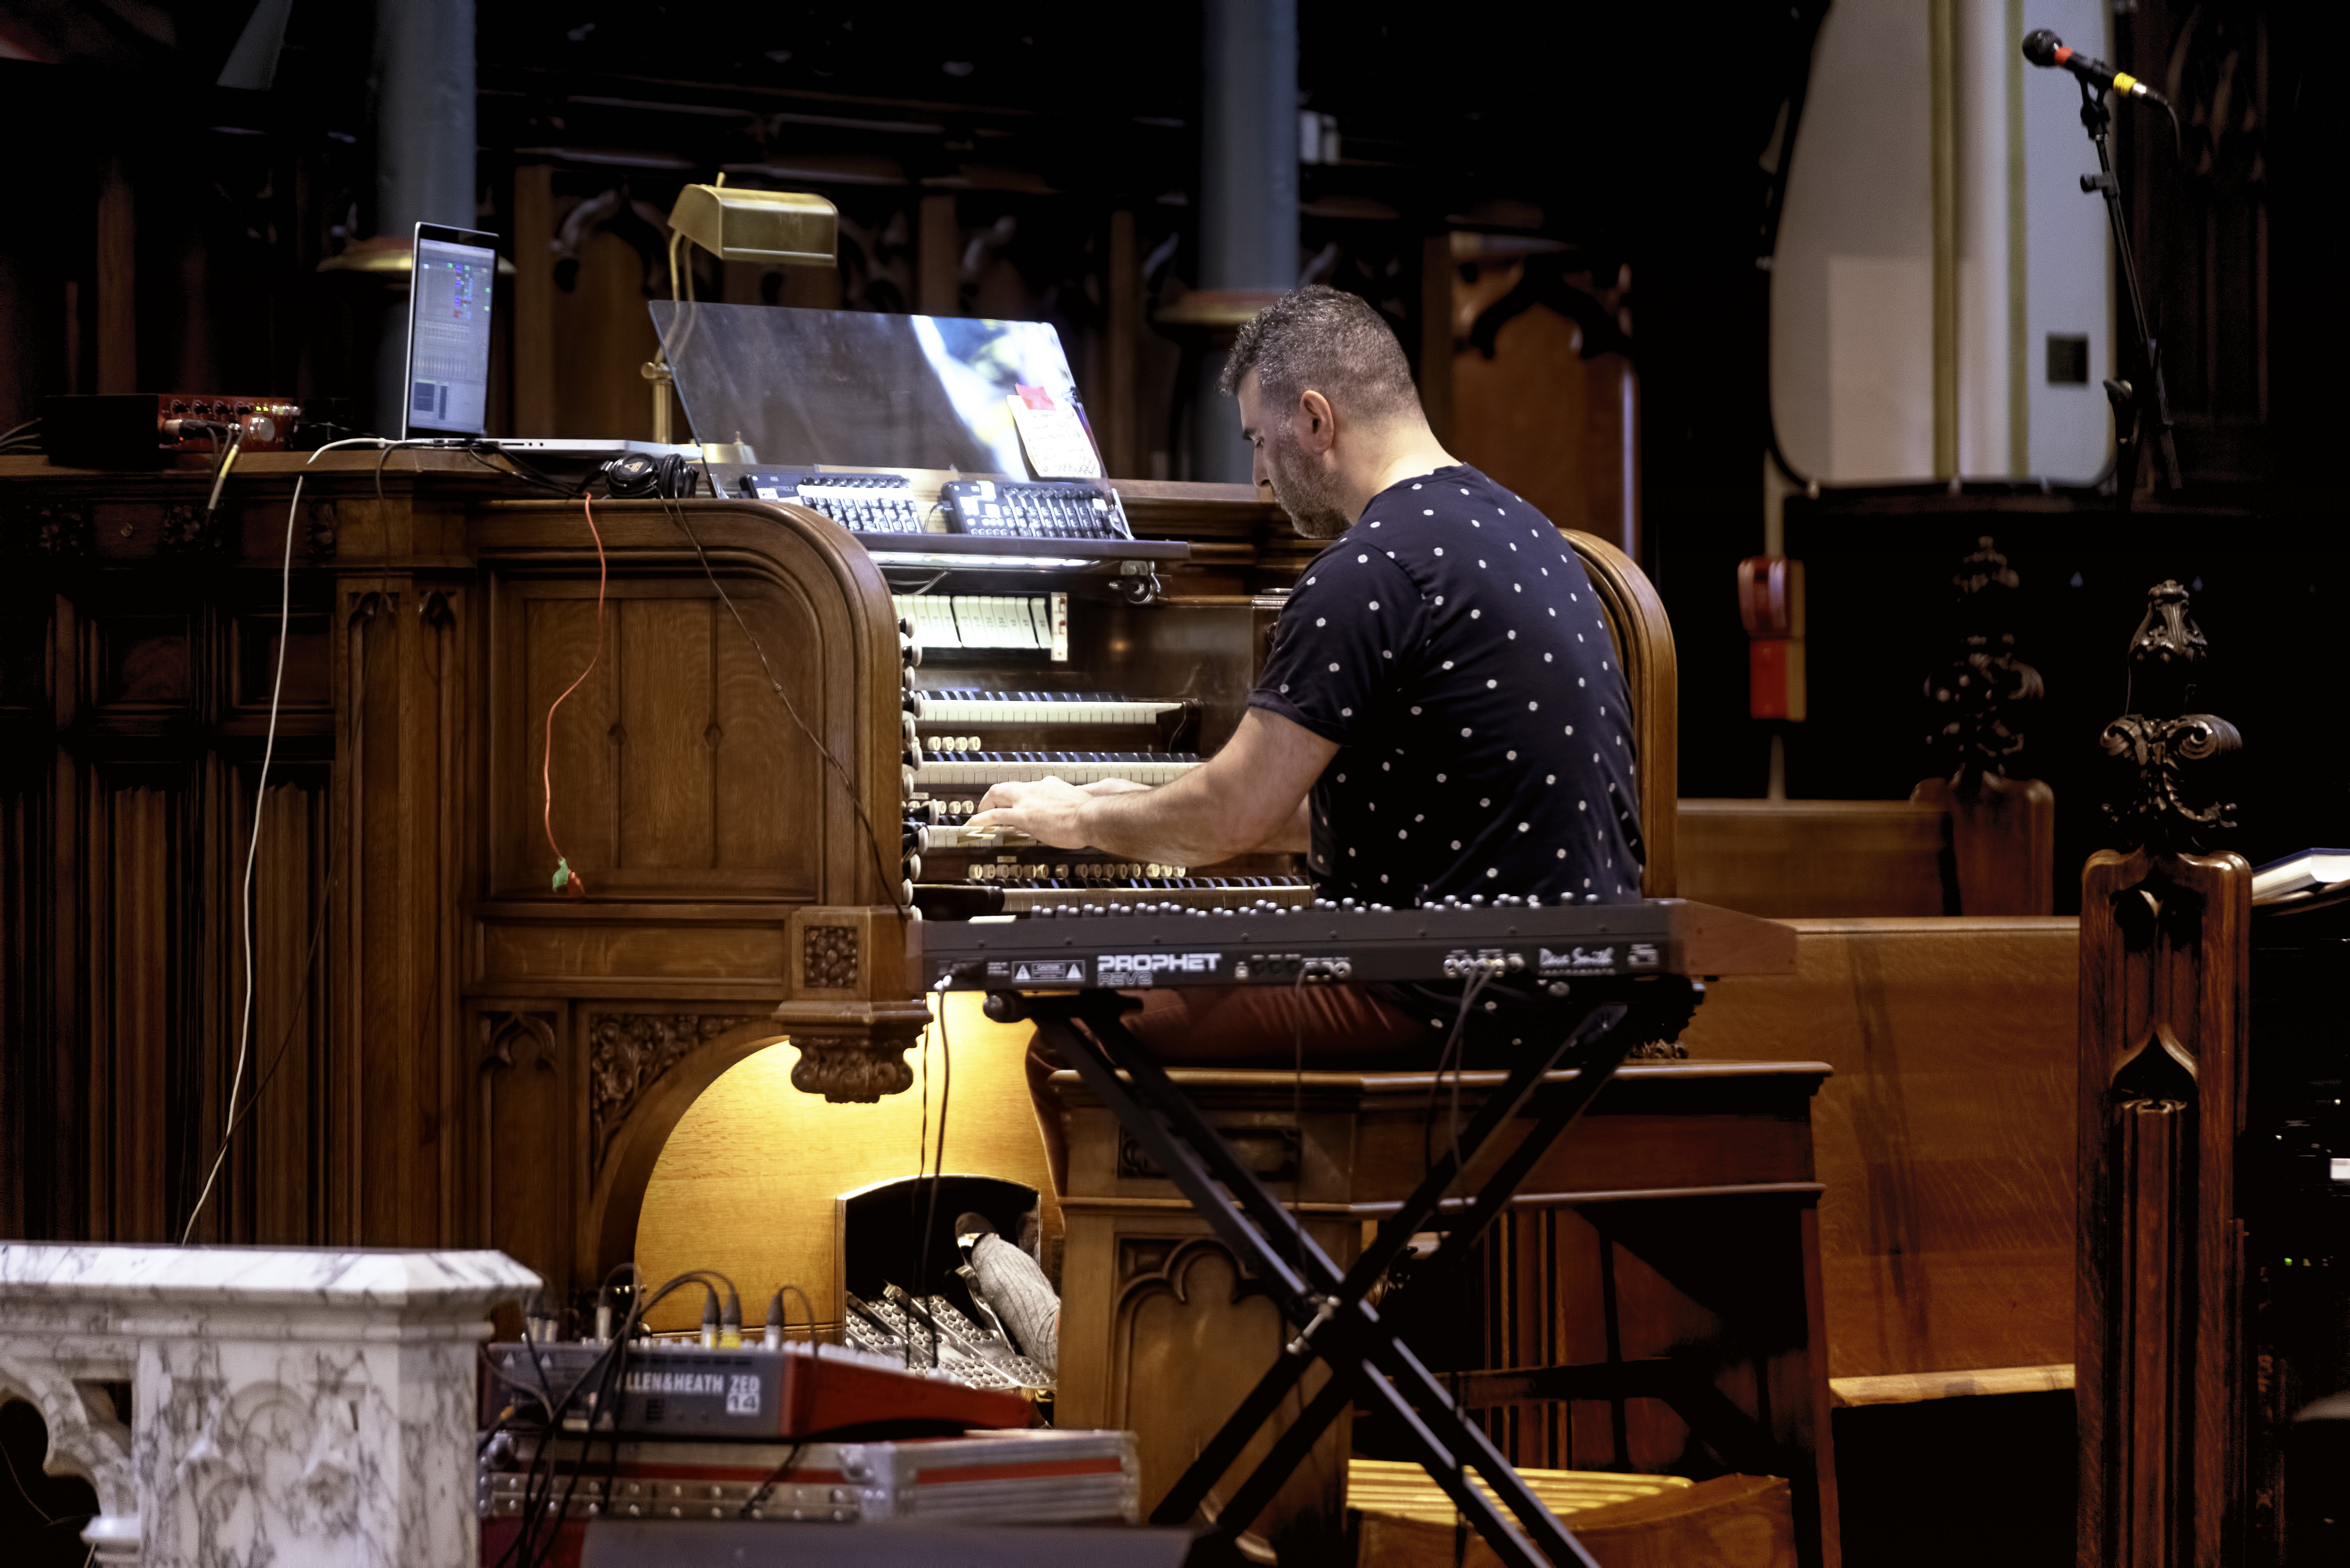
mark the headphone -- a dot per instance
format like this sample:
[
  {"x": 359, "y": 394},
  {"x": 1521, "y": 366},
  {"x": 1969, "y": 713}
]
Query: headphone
[{"x": 635, "y": 477}]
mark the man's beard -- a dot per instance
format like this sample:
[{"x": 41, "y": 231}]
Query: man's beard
[{"x": 1302, "y": 490}]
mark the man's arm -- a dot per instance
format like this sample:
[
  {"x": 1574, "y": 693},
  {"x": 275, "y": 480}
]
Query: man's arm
[{"x": 1250, "y": 796}]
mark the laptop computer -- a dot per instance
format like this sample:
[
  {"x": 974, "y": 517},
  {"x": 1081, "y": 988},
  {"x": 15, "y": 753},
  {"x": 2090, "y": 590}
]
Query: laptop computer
[{"x": 452, "y": 285}]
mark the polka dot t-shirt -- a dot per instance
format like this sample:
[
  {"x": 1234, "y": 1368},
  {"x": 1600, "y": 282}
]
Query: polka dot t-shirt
[{"x": 1452, "y": 646}]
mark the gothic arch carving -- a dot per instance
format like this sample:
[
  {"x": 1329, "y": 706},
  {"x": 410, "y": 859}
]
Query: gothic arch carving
[
  {"x": 672, "y": 1058},
  {"x": 85, "y": 1439}
]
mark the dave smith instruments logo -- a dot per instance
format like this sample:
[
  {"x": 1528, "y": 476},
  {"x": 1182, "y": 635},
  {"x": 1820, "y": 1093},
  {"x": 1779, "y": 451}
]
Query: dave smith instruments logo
[
  {"x": 1598, "y": 960},
  {"x": 1143, "y": 968}
]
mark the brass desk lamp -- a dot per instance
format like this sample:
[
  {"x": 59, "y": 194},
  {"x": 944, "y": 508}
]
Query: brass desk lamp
[{"x": 780, "y": 228}]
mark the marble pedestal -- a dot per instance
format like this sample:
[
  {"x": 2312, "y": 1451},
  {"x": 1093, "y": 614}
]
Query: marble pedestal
[{"x": 310, "y": 1406}]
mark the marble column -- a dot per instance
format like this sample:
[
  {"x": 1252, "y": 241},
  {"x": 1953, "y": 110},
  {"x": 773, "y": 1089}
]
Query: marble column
[{"x": 310, "y": 1406}]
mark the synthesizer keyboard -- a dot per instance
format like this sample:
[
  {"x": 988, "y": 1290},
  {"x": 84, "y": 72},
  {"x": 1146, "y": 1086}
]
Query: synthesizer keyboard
[{"x": 1156, "y": 942}]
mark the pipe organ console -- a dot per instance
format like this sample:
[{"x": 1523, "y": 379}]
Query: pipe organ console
[{"x": 449, "y": 1050}]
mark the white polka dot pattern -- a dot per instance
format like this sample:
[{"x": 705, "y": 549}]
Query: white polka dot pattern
[{"x": 1420, "y": 649}]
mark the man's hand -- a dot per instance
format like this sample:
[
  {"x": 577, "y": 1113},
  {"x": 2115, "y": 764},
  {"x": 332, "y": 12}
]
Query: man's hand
[
  {"x": 1046, "y": 809},
  {"x": 1247, "y": 796}
]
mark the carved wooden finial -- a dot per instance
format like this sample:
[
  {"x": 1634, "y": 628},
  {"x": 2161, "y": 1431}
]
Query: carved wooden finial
[
  {"x": 2170, "y": 799},
  {"x": 1977, "y": 696}
]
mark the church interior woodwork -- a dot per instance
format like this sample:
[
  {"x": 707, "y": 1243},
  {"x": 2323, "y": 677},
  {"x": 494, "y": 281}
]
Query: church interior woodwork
[{"x": 539, "y": 835}]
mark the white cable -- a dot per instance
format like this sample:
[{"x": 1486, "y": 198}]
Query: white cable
[{"x": 252, "y": 845}]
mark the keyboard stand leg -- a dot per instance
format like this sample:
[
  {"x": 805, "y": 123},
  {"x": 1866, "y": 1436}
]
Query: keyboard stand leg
[
  {"x": 1388, "y": 1244},
  {"x": 1596, "y": 1063},
  {"x": 1312, "y": 1294}
]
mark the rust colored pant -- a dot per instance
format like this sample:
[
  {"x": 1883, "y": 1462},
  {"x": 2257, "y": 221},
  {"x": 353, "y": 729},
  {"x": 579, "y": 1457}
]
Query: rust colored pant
[{"x": 1328, "y": 1027}]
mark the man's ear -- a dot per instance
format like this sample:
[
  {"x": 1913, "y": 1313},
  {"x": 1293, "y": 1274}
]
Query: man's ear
[{"x": 1321, "y": 422}]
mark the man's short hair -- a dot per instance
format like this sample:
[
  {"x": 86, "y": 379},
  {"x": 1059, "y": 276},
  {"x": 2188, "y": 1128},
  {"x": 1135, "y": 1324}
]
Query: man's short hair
[{"x": 1324, "y": 340}]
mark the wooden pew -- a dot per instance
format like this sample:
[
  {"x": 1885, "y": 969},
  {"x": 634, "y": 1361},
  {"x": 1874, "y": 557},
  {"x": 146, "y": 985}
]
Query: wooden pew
[{"x": 1944, "y": 1139}]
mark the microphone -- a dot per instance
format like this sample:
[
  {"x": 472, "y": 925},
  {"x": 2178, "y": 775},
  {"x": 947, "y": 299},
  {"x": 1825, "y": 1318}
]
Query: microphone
[{"x": 2045, "y": 49}]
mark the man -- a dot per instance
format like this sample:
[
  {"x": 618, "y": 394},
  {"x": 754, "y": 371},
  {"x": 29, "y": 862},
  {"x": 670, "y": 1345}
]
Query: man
[{"x": 1441, "y": 714}]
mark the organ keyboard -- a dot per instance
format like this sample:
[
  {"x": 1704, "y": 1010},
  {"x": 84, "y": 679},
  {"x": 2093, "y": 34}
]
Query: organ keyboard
[
  {"x": 976, "y": 706},
  {"x": 966, "y": 768},
  {"x": 1015, "y": 687}
]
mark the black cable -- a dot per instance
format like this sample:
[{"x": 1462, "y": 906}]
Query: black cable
[
  {"x": 1455, "y": 1047},
  {"x": 516, "y": 469},
  {"x": 938, "y": 1161},
  {"x": 914, "y": 1197},
  {"x": 527, "y": 1548},
  {"x": 872, "y": 837}
]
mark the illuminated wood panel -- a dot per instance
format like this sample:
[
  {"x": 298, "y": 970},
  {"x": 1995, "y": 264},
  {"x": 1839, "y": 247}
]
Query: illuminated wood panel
[{"x": 746, "y": 1182}]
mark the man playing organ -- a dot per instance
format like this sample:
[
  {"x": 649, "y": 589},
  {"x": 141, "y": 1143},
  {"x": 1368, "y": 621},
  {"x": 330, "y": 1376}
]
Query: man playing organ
[{"x": 1443, "y": 714}]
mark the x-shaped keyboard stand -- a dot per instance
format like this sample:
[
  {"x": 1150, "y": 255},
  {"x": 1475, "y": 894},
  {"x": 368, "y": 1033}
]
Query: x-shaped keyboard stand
[{"x": 1598, "y": 1023}]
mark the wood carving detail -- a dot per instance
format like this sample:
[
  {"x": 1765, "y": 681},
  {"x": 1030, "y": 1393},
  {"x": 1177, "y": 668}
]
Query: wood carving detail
[
  {"x": 828, "y": 957},
  {"x": 2173, "y": 802},
  {"x": 851, "y": 1069},
  {"x": 50, "y": 530},
  {"x": 2165, "y": 995},
  {"x": 626, "y": 1053},
  {"x": 500, "y": 1031},
  {"x": 1977, "y": 695},
  {"x": 187, "y": 529}
]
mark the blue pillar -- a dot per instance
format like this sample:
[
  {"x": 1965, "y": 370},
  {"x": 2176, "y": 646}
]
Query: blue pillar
[
  {"x": 1248, "y": 190},
  {"x": 424, "y": 170}
]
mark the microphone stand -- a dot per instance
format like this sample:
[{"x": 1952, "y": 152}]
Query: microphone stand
[{"x": 2144, "y": 404}]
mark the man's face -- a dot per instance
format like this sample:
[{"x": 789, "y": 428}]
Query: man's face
[{"x": 1304, "y": 483}]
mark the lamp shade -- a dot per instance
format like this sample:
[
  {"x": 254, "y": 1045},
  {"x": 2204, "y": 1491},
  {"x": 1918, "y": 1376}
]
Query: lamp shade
[{"x": 781, "y": 228}]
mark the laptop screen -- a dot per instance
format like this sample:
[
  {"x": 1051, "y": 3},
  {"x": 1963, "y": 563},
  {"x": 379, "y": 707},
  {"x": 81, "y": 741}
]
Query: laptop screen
[{"x": 449, "y": 336}]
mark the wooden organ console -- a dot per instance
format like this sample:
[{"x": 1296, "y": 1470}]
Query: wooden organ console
[{"x": 445, "y": 1050}]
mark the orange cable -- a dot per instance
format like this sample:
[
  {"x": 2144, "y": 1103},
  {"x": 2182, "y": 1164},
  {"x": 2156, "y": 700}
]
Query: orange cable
[{"x": 567, "y": 880}]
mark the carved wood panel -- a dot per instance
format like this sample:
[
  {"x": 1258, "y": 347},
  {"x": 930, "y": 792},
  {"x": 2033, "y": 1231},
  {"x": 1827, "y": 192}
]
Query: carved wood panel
[
  {"x": 1186, "y": 1318},
  {"x": 2165, "y": 988},
  {"x": 277, "y": 1179},
  {"x": 524, "y": 1153},
  {"x": 145, "y": 982},
  {"x": 672, "y": 761}
]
